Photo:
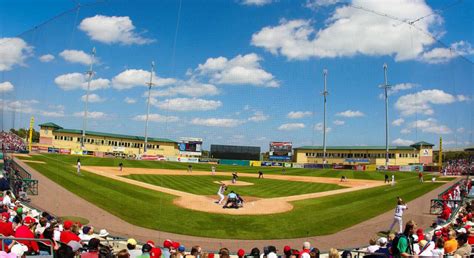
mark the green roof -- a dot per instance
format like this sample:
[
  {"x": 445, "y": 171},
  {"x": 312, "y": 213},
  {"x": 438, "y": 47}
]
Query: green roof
[
  {"x": 422, "y": 143},
  {"x": 354, "y": 148},
  {"x": 49, "y": 124},
  {"x": 59, "y": 129}
]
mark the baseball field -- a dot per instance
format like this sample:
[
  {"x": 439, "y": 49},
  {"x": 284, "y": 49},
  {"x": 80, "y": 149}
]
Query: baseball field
[{"x": 284, "y": 204}]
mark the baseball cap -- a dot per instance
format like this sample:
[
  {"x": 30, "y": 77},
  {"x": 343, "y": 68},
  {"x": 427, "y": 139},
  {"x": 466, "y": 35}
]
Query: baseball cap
[
  {"x": 175, "y": 245},
  {"x": 29, "y": 220},
  {"x": 132, "y": 241},
  {"x": 6, "y": 215},
  {"x": 423, "y": 243},
  {"x": 150, "y": 242},
  {"x": 181, "y": 248},
  {"x": 383, "y": 240},
  {"x": 86, "y": 230},
  {"x": 461, "y": 230},
  {"x": 241, "y": 252},
  {"x": 167, "y": 243},
  {"x": 286, "y": 248},
  {"x": 67, "y": 224}
]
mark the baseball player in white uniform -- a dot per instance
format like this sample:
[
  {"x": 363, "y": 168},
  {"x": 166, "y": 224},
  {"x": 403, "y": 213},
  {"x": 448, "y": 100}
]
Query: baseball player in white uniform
[
  {"x": 213, "y": 170},
  {"x": 393, "y": 180},
  {"x": 78, "y": 166},
  {"x": 397, "y": 218},
  {"x": 220, "y": 192}
]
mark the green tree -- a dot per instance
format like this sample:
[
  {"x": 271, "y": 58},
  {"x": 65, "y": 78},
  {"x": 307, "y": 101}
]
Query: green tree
[{"x": 24, "y": 133}]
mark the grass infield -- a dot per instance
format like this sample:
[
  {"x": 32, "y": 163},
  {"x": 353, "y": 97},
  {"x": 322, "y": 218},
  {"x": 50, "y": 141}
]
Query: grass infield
[
  {"x": 264, "y": 188},
  {"x": 155, "y": 210}
]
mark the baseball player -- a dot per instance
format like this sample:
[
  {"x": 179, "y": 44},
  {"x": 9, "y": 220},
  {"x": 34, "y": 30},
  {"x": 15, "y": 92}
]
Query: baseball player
[
  {"x": 221, "y": 192},
  {"x": 401, "y": 207},
  {"x": 234, "y": 177},
  {"x": 79, "y": 167},
  {"x": 213, "y": 170},
  {"x": 393, "y": 180}
]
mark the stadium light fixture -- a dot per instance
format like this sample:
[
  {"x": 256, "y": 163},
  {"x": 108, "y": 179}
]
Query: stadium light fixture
[
  {"x": 90, "y": 74},
  {"x": 150, "y": 84},
  {"x": 324, "y": 93},
  {"x": 386, "y": 87}
]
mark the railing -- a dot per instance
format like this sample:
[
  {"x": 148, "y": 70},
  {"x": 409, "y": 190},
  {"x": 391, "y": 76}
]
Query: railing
[{"x": 20, "y": 179}]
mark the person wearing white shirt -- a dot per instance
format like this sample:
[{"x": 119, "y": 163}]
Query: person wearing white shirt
[
  {"x": 7, "y": 200},
  {"x": 401, "y": 207}
]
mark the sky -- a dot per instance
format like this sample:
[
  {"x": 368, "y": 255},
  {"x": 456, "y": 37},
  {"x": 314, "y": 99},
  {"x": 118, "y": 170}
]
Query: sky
[{"x": 243, "y": 72}]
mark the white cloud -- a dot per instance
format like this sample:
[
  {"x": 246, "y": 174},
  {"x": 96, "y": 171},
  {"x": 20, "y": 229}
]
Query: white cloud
[
  {"x": 298, "y": 114},
  {"x": 398, "y": 87},
  {"x": 130, "y": 100},
  {"x": 238, "y": 70},
  {"x": 46, "y": 58},
  {"x": 73, "y": 81},
  {"x": 31, "y": 107},
  {"x": 443, "y": 55},
  {"x": 402, "y": 142},
  {"x": 291, "y": 126},
  {"x": 351, "y": 31},
  {"x": 93, "y": 98},
  {"x": 398, "y": 122},
  {"x": 187, "y": 104},
  {"x": 315, "y": 4},
  {"x": 77, "y": 56},
  {"x": 13, "y": 51},
  {"x": 138, "y": 78},
  {"x": 405, "y": 131},
  {"x": 256, "y": 2},
  {"x": 91, "y": 114},
  {"x": 460, "y": 130},
  {"x": 189, "y": 88},
  {"x": 430, "y": 125},
  {"x": 157, "y": 118},
  {"x": 338, "y": 122},
  {"x": 350, "y": 113},
  {"x": 319, "y": 127},
  {"x": 421, "y": 102},
  {"x": 6, "y": 87},
  {"x": 258, "y": 116},
  {"x": 112, "y": 29},
  {"x": 217, "y": 122},
  {"x": 462, "y": 98}
]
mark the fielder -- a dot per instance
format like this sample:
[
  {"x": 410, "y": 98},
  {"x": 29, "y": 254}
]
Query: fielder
[
  {"x": 79, "y": 167},
  {"x": 401, "y": 207},
  {"x": 393, "y": 180},
  {"x": 213, "y": 170}
]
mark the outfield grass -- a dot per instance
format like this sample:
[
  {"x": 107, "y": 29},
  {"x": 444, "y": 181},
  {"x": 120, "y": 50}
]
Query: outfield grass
[
  {"x": 114, "y": 162},
  {"x": 155, "y": 210},
  {"x": 264, "y": 188}
]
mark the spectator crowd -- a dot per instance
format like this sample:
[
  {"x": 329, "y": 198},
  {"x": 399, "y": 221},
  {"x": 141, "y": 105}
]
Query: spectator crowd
[
  {"x": 458, "y": 167},
  {"x": 12, "y": 142}
]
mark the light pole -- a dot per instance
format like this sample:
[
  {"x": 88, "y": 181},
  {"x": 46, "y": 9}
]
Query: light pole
[
  {"x": 150, "y": 84},
  {"x": 385, "y": 86},
  {"x": 324, "y": 93},
  {"x": 90, "y": 74}
]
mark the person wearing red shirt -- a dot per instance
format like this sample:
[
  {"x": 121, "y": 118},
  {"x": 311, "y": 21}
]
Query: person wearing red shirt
[
  {"x": 6, "y": 227},
  {"x": 24, "y": 231},
  {"x": 67, "y": 235}
]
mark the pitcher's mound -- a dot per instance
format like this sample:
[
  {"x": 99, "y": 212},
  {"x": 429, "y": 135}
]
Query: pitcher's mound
[{"x": 238, "y": 183}]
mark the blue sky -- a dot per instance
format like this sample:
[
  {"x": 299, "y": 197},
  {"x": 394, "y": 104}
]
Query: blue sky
[{"x": 243, "y": 71}]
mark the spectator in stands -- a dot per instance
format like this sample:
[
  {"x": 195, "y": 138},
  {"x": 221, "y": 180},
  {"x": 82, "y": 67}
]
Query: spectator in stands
[
  {"x": 464, "y": 249},
  {"x": 240, "y": 253},
  {"x": 196, "y": 250},
  {"x": 131, "y": 247},
  {"x": 48, "y": 233},
  {"x": 224, "y": 253},
  {"x": 272, "y": 252},
  {"x": 67, "y": 235},
  {"x": 404, "y": 245},
  {"x": 123, "y": 254},
  {"x": 255, "y": 252},
  {"x": 439, "y": 248},
  {"x": 306, "y": 249},
  {"x": 25, "y": 231},
  {"x": 383, "y": 246},
  {"x": 333, "y": 253},
  {"x": 146, "y": 249},
  {"x": 425, "y": 248},
  {"x": 287, "y": 251},
  {"x": 43, "y": 224},
  {"x": 6, "y": 227},
  {"x": 86, "y": 234},
  {"x": 7, "y": 200},
  {"x": 451, "y": 245},
  {"x": 155, "y": 251},
  {"x": 92, "y": 249},
  {"x": 373, "y": 247}
]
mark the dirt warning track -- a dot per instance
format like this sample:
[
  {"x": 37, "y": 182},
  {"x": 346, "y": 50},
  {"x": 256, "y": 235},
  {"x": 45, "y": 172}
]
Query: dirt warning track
[{"x": 251, "y": 207}]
